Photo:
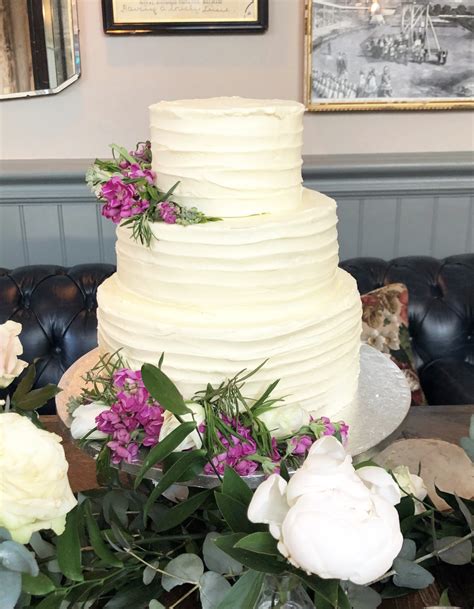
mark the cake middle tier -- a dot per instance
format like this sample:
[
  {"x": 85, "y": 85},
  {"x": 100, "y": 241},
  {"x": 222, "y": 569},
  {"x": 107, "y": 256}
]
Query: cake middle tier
[
  {"x": 312, "y": 344},
  {"x": 269, "y": 258}
]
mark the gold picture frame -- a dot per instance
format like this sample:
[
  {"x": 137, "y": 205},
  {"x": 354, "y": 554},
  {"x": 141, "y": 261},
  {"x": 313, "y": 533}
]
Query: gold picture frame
[{"x": 328, "y": 86}]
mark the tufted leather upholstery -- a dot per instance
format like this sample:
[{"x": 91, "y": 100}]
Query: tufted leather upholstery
[
  {"x": 57, "y": 307},
  {"x": 441, "y": 317}
]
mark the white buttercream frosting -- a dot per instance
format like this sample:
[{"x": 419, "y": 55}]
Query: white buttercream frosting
[
  {"x": 262, "y": 284},
  {"x": 231, "y": 156}
]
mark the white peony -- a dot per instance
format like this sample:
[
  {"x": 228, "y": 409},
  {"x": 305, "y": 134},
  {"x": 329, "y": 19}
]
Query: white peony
[
  {"x": 10, "y": 348},
  {"x": 284, "y": 421},
  {"x": 34, "y": 488},
  {"x": 170, "y": 423},
  {"x": 380, "y": 482},
  {"x": 411, "y": 484},
  {"x": 330, "y": 521},
  {"x": 83, "y": 420}
]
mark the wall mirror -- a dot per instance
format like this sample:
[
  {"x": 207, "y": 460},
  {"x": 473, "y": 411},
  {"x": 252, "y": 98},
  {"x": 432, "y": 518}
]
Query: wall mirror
[{"x": 39, "y": 47}]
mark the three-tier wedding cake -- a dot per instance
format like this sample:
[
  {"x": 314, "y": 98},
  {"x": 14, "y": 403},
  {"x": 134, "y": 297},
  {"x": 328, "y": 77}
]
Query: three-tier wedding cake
[{"x": 261, "y": 284}]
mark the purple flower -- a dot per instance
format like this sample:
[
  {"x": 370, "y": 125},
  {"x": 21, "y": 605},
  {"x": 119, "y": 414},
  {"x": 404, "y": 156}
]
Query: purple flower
[
  {"x": 301, "y": 445},
  {"x": 344, "y": 431},
  {"x": 121, "y": 453},
  {"x": 143, "y": 152},
  {"x": 167, "y": 212},
  {"x": 135, "y": 171},
  {"x": 123, "y": 200}
]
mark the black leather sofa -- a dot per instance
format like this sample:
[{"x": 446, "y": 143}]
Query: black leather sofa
[{"x": 57, "y": 307}]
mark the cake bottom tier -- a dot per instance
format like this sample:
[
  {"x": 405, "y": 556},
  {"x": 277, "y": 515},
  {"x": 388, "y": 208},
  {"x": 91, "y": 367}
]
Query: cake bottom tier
[{"x": 311, "y": 345}]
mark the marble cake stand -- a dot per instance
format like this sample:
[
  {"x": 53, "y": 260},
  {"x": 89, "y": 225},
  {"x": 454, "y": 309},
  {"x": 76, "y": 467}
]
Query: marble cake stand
[{"x": 379, "y": 408}]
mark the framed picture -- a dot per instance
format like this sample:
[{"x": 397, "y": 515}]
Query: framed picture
[
  {"x": 184, "y": 16},
  {"x": 389, "y": 55}
]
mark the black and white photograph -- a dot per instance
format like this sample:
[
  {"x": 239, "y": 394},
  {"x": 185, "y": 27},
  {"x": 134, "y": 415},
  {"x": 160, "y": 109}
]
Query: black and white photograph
[{"x": 389, "y": 54}]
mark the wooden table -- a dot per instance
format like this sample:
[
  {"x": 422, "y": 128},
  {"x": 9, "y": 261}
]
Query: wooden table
[{"x": 448, "y": 423}]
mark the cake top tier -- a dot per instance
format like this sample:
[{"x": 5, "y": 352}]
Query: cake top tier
[
  {"x": 231, "y": 156},
  {"x": 229, "y": 106}
]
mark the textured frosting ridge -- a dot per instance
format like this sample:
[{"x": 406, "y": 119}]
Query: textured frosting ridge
[{"x": 231, "y": 156}]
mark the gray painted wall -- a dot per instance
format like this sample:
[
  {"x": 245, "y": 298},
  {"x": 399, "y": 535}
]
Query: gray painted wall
[{"x": 389, "y": 205}]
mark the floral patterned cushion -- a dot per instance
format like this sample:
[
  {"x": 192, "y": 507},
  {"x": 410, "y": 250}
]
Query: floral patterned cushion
[{"x": 385, "y": 327}]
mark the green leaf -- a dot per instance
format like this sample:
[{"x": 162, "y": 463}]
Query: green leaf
[
  {"x": 25, "y": 384},
  {"x": 217, "y": 560},
  {"x": 235, "y": 487},
  {"x": 252, "y": 560},
  {"x": 133, "y": 596},
  {"x": 244, "y": 593},
  {"x": 164, "y": 448},
  {"x": 405, "y": 508},
  {"x": 465, "y": 512},
  {"x": 235, "y": 514},
  {"x": 180, "y": 512},
  {"x": 163, "y": 390},
  {"x": 212, "y": 589},
  {"x": 444, "y": 599},
  {"x": 52, "y": 601},
  {"x": 261, "y": 400},
  {"x": 326, "y": 590},
  {"x": 97, "y": 542},
  {"x": 460, "y": 554},
  {"x": 411, "y": 575},
  {"x": 37, "y": 586},
  {"x": 173, "y": 474},
  {"x": 69, "y": 546},
  {"x": 448, "y": 497},
  {"x": 185, "y": 568},
  {"x": 37, "y": 398},
  {"x": 262, "y": 543}
]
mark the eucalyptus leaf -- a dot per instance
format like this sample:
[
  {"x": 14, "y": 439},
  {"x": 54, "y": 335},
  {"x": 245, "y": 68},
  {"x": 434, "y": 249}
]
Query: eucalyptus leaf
[
  {"x": 362, "y": 597},
  {"x": 149, "y": 572},
  {"x": 154, "y": 604},
  {"x": 163, "y": 390},
  {"x": 468, "y": 445},
  {"x": 244, "y": 593},
  {"x": 459, "y": 554},
  {"x": 10, "y": 588},
  {"x": 411, "y": 575},
  {"x": 216, "y": 559},
  {"x": 408, "y": 550},
  {"x": 132, "y": 596},
  {"x": 4, "y": 535},
  {"x": 212, "y": 589},
  {"x": 40, "y": 585},
  {"x": 15, "y": 557},
  {"x": 164, "y": 448},
  {"x": 42, "y": 548},
  {"x": 185, "y": 568},
  {"x": 115, "y": 503}
]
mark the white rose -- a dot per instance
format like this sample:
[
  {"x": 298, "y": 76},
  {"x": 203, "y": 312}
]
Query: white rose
[
  {"x": 10, "y": 348},
  {"x": 339, "y": 536},
  {"x": 34, "y": 488},
  {"x": 83, "y": 420},
  {"x": 328, "y": 520},
  {"x": 410, "y": 484},
  {"x": 269, "y": 504},
  {"x": 380, "y": 482},
  {"x": 327, "y": 466},
  {"x": 283, "y": 421},
  {"x": 170, "y": 423}
]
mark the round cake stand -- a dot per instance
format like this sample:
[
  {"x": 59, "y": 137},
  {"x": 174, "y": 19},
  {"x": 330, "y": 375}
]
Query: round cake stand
[{"x": 379, "y": 408}]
